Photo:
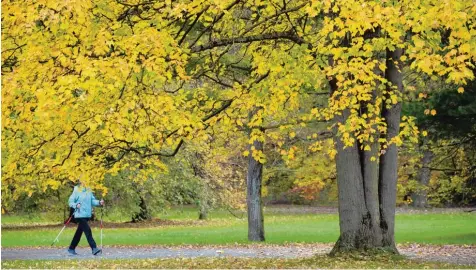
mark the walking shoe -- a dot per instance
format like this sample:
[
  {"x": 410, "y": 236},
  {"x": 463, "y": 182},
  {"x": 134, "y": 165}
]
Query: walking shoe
[
  {"x": 96, "y": 251},
  {"x": 72, "y": 251}
]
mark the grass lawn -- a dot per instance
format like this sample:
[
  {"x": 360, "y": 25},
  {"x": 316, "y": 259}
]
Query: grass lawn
[
  {"x": 350, "y": 261},
  {"x": 222, "y": 228}
]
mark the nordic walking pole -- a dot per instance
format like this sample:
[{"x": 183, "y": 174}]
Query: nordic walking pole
[
  {"x": 102, "y": 212},
  {"x": 67, "y": 222}
]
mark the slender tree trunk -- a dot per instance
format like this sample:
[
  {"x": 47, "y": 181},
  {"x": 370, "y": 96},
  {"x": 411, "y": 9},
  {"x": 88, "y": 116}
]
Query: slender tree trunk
[
  {"x": 203, "y": 213},
  {"x": 419, "y": 197},
  {"x": 389, "y": 160},
  {"x": 143, "y": 212},
  {"x": 253, "y": 199},
  {"x": 371, "y": 183},
  {"x": 203, "y": 204},
  {"x": 199, "y": 171},
  {"x": 370, "y": 172}
]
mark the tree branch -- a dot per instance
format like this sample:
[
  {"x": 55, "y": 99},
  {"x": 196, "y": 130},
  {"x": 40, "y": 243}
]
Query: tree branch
[
  {"x": 296, "y": 123},
  {"x": 192, "y": 25},
  {"x": 290, "y": 35}
]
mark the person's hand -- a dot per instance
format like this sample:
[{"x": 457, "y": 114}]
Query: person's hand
[
  {"x": 101, "y": 202},
  {"x": 78, "y": 205}
]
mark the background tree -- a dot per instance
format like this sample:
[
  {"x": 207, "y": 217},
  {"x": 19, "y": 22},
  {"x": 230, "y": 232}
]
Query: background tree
[{"x": 446, "y": 152}]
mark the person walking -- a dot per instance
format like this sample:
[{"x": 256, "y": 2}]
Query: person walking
[{"x": 82, "y": 200}]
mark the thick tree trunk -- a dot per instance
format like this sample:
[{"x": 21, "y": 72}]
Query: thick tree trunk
[
  {"x": 253, "y": 199},
  {"x": 419, "y": 197},
  {"x": 367, "y": 189},
  {"x": 357, "y": 178},
  {"x": 389, "y": 160}
]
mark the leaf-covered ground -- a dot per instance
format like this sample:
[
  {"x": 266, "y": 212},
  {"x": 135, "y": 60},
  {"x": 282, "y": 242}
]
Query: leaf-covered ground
[
  {"x": 452, "y": 254},
  {"x": 318, "y": 261}
]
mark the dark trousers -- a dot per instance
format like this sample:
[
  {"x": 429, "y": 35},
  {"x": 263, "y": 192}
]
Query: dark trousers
[{"x": 83, "y": 227}]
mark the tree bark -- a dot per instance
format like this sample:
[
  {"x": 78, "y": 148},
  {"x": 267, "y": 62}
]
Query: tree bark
[
  {"x": 367, "y": 189},
  {"x": 389, "y": 160},
  {"x": 253, "y": 199},
  {"x": 371, "y": 193},
  {"x": 357, "y": 178},
  {"x": 370, "y": 172},
  {"x": 419, "y": 197}
]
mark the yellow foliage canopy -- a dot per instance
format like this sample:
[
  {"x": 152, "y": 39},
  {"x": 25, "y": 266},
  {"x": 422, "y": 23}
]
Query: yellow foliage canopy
[{"x": 94, "y": 87}]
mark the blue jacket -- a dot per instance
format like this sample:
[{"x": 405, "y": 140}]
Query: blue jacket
[{"x": 85, "y": 197}]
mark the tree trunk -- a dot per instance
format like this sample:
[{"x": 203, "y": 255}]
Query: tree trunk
[
  {"x": 253, "y": 197},
  {"x": 371, "y": 192},
  {"x": 203, "y": 203},
  {"x": 419, "y": 197},
  {"x": 367, "y": 189},
  {"x": 389, "y": 160},
  {"x": 143, "y": 212},
  {"x": 203, "y": 213},
  {"x": 370, "y": 172},
  {"x": 357, "y": 179},
  {"x": 203, "y": 193}
]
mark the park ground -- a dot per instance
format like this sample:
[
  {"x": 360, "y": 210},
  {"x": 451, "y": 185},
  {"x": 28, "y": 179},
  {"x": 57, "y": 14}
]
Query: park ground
[{"x": 296, "y": 237}]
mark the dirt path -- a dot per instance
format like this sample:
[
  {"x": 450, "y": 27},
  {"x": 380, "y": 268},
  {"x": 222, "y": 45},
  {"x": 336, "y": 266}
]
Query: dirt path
[{"x": 448, "y": 253}]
